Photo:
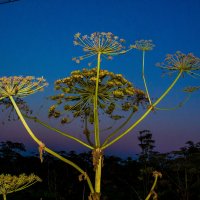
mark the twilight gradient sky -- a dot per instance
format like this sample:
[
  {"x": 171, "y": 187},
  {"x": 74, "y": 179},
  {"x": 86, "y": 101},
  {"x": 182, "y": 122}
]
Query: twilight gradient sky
[{"x": 36, "y": 38}]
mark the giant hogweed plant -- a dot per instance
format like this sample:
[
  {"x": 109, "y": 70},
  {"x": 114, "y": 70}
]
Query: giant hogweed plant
[{"x": 87, "y": 93}]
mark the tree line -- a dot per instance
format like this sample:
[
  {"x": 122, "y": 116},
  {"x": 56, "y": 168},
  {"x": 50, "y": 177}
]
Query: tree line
[{"x": 123, "y": 178}]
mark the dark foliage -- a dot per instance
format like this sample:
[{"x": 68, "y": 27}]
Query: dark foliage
[{"x": 122, "y": 178}]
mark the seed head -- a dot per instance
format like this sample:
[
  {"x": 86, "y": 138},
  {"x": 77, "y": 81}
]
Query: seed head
[
  {"x": 19, "y": 86},
  {"x": 186, "y": 63},
  {"x": 99, "y": 42},
  {"x": 9, "y": 183},
  {"x": 157, "y": 174},
  {"x": 143, "y": 45},
  {"x": 115, "y": 94}
]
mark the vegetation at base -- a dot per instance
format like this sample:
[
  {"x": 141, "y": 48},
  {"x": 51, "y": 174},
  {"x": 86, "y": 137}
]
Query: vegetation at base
[{"x": 123, "y": 178}]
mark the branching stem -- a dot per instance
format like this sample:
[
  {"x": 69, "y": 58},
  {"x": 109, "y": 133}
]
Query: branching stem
[
  {"x": 152, "y": 188},
  {"x": 46, "y": 148},
  {"x": 59, "y": 131},
  {"x": 145, "y": 114}
]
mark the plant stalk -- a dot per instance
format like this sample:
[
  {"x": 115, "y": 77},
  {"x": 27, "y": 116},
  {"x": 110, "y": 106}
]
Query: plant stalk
[
  {"x": 96, "y": 115},
  {"x": 59, "y": 131},
  {"x": 4, "y": 196},
  {"x": 47, "y": 149},
  {"x": 98, "y": 177},
  {"x": 152, "y": 188},
  {"x": 145, "y": 114}
]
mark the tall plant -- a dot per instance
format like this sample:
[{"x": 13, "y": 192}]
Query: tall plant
[{"x": 93, "y": 91}]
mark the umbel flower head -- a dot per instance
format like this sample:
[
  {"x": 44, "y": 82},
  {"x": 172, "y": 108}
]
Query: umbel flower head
[
  {"x": 19, "y": 86},
  {"x": 180, "y": 62},
  {"x": 143, "y": 45},
  {"x": 99, "y": 42},
  {"x": 77, "y": 95},
  {"x": 10, "y": 184}
]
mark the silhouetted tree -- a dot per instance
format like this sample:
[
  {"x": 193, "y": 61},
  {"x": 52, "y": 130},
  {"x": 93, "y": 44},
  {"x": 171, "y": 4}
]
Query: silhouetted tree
[
  {"x": 183, "y": 171},
  {"x": 180, "y": 169},
  {"x": 11, "y": 150},
  {"x": 147, "y": 145}
]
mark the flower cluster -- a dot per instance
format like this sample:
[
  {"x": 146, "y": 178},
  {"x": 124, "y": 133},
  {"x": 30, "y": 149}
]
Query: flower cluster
[
  {"x": 78, "y": 90},
  {"x": 9, "y": 183},
  {"x": 19, "y": 86},
  {"x": 180, "y": 62},
  {"x": 143, "y": 45},
  {"x": 157, "y": 174},
  {"x": 99, "y": 42}
]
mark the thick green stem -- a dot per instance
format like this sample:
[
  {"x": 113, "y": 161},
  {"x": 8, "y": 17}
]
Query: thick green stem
[
  {"x": 4, "y": 196},
  {"x": 98, "y": 177},
  {"x": 143, "y": 77},
  {"x": 47, "y": 149},
  {"x": 96, "y": 115},
  {"x": 73, "y": 165},
  {"x": 98, "y": 167},
  {"x": 145, "y": 114}
]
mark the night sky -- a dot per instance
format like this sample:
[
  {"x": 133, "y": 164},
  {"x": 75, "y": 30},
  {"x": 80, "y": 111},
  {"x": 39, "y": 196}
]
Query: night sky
[{"x": 36, "y": 38}]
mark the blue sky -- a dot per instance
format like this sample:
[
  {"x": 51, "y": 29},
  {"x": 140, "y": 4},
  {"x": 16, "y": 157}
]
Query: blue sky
[{"x": 37, "y": 39}]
